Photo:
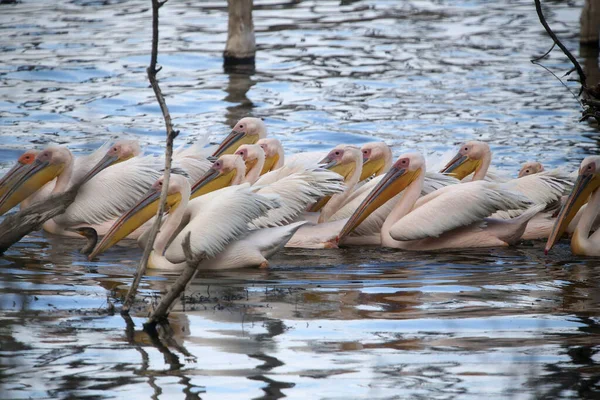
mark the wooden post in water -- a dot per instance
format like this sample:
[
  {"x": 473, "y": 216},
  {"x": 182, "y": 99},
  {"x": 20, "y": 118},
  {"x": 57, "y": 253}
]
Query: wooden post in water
[
  {"x": 241, "y": 44},
  {"x": 590, "y": 23}
]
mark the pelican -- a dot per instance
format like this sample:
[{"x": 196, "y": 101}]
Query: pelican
[
  {"x": 253, "y": 156},
  {"x": 110, "y": 186},
  {"x": 203, "y": 218},
  {"x": 24, "y": 159},
  {"x": 531, "y": 168},
  {"x": 586, "y": 186},
  {"x": 543, "y": 188},
  {"x": 455, "y": 216},
  {"x": 377, "y": 159},
  {"x": 83, "y": 164},
  {"x": 274, "y": 155},
  {"x": 345, "y": 160},
  {"x": 248, "y": 130},
  {"x": 295, "y": 186}
]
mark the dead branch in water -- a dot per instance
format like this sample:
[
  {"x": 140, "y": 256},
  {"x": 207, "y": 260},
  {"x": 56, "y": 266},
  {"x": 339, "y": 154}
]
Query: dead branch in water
[
  {"x": 591, "y": 95},
  {"x": 166, "y": 302},
  {"x": 16, "y": 226},
  {"x": 171, "y": 135}
]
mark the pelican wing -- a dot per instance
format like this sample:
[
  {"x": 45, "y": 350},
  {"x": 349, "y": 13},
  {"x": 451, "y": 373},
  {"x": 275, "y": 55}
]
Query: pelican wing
[
  {"x": 112, "y": 192},
  {"x": 543, "y": 188},
  {"x": 200, "y": 149},
  {"x": 296, "y": 192},
  {"x": 218, "y": 218},
  {"x": 454, "y": 207},
  {"x": 194, "y": 167},
  {"x": 308, "y": 159}
]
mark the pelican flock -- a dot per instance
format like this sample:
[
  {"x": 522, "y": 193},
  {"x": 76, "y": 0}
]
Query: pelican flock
[{"x": 349, "y": 196}]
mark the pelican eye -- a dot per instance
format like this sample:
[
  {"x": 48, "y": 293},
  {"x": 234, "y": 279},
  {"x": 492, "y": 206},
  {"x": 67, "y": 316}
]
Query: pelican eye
[
  {"x": 527, "y": 171},
  {"x": 466, "y": 149},
  {"x": 337, "y": 153},
  {"x": 241, "y": 126}
]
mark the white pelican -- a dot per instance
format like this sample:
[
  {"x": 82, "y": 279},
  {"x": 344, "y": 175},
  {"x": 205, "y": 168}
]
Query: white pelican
[
  {"x": 295, "y": 187},
  {"x": 345, "y": 160},
  {"x": 377, "y": 159},
  {"x": 543, "y": 188},
  {"x": 274, "y": 155},
  {"x": 83, "y": 164},
  {"x": 530, "y": 168},
  {"x": 455, "y": 216},
  {"x": 209, "y": 219},
  {"x": 586, "y": 187},
  {"x": 111, "y": 186},
  {"x": 253, "y": 156},
  {"x": 248, "y": 130}
]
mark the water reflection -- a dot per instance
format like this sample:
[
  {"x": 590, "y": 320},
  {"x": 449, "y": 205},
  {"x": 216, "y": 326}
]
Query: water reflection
[{"x": 349, "y": 323}]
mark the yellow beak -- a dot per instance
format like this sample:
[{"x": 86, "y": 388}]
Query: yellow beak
[
  {"x": 395, "y": 181},
  {"x": 269, "y": 164},
  {"x": 372, "y": 168},
  {"x": 211, "y": 181},
  {"x": 233, "y": 141},
  {"x": 145, "y": 209},
  {"x": 27, "y": 182},
  {"x": 6, "y": 180},
  {"x": 461, "y": 166},
  {"x": 584, "y": 186}
]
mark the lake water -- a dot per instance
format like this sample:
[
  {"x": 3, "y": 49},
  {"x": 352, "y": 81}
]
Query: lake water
[{"x": 336, "y": 324}]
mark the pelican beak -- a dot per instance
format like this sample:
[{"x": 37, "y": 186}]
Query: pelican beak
[
  {"x": 104, "y": 163},
  {"x": 213, "y": 180},
  {"x": 137, "y": 215},
  {"x": 250, "y": 164},
  {"x": 30, "y": 179},
  {"x": 270, "y": 162},
  {"x": 345, "y": 170},
  {"x": 584, "y": 186},
  {"x": 371, "y": 167},
  {"x": 460, "y": 166},
  {"x": 12, "y": 173},
  {"x": 395, "y": 181},
  {"x": 233, "y": 141}
]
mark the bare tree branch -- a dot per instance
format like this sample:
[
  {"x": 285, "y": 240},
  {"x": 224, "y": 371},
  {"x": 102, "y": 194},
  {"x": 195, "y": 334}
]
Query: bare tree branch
[
  {"x": 161, "y": 311},
  {"x": 15, "y": 226},
  {"x": 582, "y": 80},
  {"x": 171, "y": 135}
]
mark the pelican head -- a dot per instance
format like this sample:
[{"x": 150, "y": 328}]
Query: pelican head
[
  {"x": 143, "y": 210},
  {"x": 404, "y": 171},
  {"x": 468, "y": 159},
  {"x": 122, "y": 150},
  {"x": 248, "y": 130},
  {"x": 588, "y": 181},
  {"x": 377, "y": 159},
  {"x": 344, "y": 160},
  {"x": 48, "y": 164},
  {"x": 252, "y": 154},
  {"x": 530, "y": 168},
  {"x": 273, "y": 154},
  {"x": 25, "y": 159},
  {"x": 228, "y": 170}
]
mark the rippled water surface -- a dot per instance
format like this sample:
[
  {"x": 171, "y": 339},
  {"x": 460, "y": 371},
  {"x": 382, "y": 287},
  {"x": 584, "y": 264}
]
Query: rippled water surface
[{"x": 345, "y": 323}]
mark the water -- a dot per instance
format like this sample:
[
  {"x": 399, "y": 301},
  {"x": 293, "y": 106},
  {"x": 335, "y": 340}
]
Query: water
[{"x": 347, "y": 323}]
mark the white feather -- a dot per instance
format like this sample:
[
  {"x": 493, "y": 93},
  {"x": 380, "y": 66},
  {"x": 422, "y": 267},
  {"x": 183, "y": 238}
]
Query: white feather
[
  {"x": 296, "y": 192},
  {"x": 112, "y": 192},
  {"x": 453, "y": 207},
  {"x": 210, "y": 231}
]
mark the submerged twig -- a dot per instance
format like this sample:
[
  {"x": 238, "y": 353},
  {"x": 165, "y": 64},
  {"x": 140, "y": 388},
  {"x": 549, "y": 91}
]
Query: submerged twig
[
  {"x": 168, "y": 300},
  {"x": 171, "y": 135}
]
